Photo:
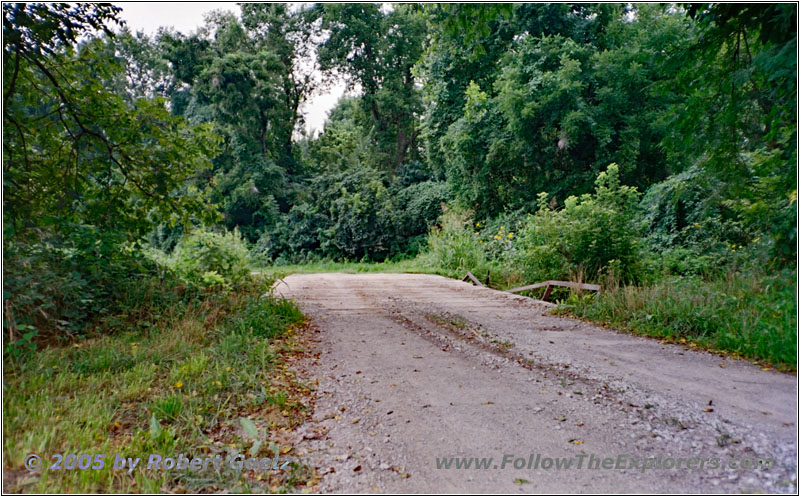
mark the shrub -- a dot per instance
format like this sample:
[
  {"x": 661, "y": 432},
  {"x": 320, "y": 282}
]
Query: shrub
[
  {"x": 594, "y": 234},
  {"x": 207, "y": 258},
  {"x": 417, "y": 207},
  {"x": 295, "y": 237},
  {"x": 59, "y": 286},
  {"x": 360, "y": 208},
  {"x": 454, "y": 245},
  {"x": 695, "y": 231}
]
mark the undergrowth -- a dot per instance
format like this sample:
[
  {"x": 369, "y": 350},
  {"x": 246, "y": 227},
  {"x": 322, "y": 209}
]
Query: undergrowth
[{"x": 181, "y": 385}]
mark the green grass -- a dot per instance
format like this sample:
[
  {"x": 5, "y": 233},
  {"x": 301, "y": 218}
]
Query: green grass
[
  {"x": 180, "y": 387},
  {"x": 750, "y": 314},
  {"x": 416, "y": 265}
]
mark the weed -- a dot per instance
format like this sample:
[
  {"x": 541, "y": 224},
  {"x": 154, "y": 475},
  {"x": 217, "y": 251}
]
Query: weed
[{"x": 179, "y": 387}]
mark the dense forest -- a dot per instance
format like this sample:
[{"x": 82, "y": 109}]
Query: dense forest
[
  {"x": 154, "y": 186},
  {"x": 647, "y": 147}
]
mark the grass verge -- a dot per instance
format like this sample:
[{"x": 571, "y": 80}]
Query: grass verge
[
  {"x": 416, "y": 265},
  {"x": 750, "y": 314},
  {"x": 183, "y": 386}
]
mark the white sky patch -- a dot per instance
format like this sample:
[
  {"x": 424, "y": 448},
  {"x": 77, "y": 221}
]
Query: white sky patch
[
  {"x": 316, "y": 109},
  {"x": 187, "y": 17}
]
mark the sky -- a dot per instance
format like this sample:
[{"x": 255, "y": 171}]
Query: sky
[{"x": 188, "y": 16}]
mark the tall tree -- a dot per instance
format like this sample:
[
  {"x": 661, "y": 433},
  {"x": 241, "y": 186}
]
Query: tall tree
[
  {"x": 376, "y": 51},
  {"x": 246, "y": 76}
]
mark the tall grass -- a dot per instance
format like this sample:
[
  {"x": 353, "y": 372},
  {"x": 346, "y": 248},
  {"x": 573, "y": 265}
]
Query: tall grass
[
  {"x": 750, "y": 313},
  {"x": 179, "y": 387}
]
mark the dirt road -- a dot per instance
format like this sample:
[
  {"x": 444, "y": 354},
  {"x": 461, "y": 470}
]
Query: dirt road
[{"x": 414, "y": 370}]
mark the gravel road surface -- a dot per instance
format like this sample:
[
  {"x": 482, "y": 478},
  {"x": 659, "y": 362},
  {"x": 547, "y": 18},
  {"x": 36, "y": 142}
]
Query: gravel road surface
[{"x": 414, "y": 370}]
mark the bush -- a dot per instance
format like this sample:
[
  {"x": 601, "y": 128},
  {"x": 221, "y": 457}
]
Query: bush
[
  {"x": 454, "y": 245},
  {"x": 594, "y": 234},
  {"x": 360, "y": 208},
  {"x": 417, "y": 207},
  {"x": 207, "y": 258},
  {"x": 296, "y": 236},
  {"x": 59, "y": 286}
]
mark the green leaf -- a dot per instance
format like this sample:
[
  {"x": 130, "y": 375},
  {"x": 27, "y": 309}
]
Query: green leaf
[
  {"x": 155, "y": 428},
  {"x": 249, "y": 427},
  {"x": 255, "y": 447}
]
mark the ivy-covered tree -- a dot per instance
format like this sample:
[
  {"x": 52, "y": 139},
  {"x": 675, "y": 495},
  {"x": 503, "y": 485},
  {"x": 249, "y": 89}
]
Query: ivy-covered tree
[{"x": 248, "y": 76}]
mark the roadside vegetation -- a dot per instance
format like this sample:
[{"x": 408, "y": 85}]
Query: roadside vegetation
[
  {"x": 179, "y": 385},
  {"x": 650, "y": 148},
  {"x": 112, "y": 346}
]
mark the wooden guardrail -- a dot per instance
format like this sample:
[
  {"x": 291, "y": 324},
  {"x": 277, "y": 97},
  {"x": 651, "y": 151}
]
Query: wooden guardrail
[
  {"x": 549, "y": 284},
  {"x": 470, "y": 276}
]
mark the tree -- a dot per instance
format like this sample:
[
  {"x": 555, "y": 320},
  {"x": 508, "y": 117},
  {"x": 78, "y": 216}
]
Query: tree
[
  {"x": 90, "y": 165},
  {"x": 738, "y": 118},
  {"x": 146, "y": 72},
  {"x": 245, "y": 77},
  {"x": 376, "y": 51},
  {"x": 75, "y": 152},
  {"x": 289, "y": 36}
]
